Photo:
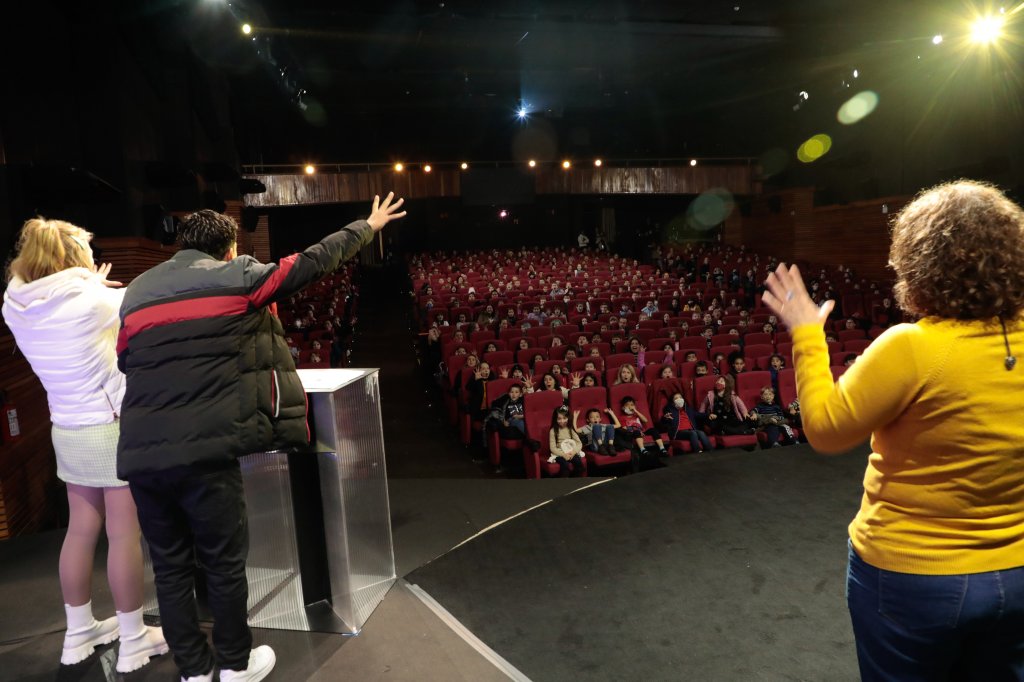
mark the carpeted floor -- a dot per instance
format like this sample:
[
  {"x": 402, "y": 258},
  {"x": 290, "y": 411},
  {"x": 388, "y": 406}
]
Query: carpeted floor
[{"x": 725, "y": 567}]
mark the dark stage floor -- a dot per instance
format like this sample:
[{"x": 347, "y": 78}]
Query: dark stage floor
[{"x": 725, "y": 567}]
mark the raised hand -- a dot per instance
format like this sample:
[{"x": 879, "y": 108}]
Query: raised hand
[
  {"x": 384, "y": 213},
  {"x": 478, "y": 374},
  {"x": 787, "y": 297},
  {"x": 576, "y": 379},
  {"x": 101, "y": 273},
  {"x": 504, "y": 373}
]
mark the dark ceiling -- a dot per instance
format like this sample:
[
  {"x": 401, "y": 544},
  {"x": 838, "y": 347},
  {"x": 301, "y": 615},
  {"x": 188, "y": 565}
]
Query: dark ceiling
[{"x": 627, "y": 79}]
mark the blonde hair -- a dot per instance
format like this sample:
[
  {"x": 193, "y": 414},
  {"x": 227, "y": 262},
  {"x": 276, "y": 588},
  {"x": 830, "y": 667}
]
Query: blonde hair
[{"x": 49, "y": 246}]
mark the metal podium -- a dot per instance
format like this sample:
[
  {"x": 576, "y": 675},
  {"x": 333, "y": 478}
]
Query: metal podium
[{"x": 320, "y": 550}]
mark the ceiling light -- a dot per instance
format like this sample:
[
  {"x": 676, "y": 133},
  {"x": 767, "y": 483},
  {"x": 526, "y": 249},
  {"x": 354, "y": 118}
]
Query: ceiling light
[
  {"x": 464, "y": 165},
  {"x": 246, "y": 29},
  {"x": 937, "y": 40},
  {"x": 987, "y": 29},
  {"x": 532, "y": 163},
  {"x": 693, "y": 162},
  {"x": 522, "y": 113},
  {"x": 598, "y": 162},
  {"x": 427, "y": 168},
  {"x": 856, "y": 73},
  {"x": 399, "y": 167},
  {"x": 567, "y": 164},
  {"x": 310, "y": 169}
]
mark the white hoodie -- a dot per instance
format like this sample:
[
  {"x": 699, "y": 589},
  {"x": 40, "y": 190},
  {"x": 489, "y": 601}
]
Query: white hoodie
[{"x": 66, "y": 325}]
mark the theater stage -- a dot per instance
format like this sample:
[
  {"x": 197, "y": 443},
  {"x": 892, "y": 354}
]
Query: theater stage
[{"x": 728, "y": 566}]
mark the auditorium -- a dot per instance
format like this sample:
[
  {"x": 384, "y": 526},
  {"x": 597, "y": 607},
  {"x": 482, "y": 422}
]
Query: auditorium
[{"x": 448, "y": 341}]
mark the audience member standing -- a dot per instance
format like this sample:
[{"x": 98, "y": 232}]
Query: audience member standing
[{"x": 936, "y": 561}]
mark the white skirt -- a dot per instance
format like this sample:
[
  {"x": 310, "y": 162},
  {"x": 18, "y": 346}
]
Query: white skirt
[{"x": 87, "y": 455}]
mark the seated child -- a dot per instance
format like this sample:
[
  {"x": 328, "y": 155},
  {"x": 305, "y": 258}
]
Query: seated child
[
  {"x": 681, "y": 422},
  {"x": 598, "y": 437},
  {"x": 565, "y": 445}
]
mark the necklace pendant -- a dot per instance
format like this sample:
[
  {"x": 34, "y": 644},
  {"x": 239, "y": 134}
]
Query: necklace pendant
[{"x": 1010, "y": 362}]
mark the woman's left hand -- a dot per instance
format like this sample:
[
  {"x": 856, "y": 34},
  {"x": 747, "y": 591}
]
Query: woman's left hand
[{"x": 787, "y": 297}]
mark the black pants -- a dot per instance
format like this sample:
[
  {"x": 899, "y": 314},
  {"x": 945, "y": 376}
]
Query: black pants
[{"x": 189, "y": 513}]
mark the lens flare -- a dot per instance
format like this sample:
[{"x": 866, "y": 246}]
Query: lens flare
[
  {"x": 814, "y": 148},
  {"x": 857, "y": 107},
  {"x": 987, "y": 29}
]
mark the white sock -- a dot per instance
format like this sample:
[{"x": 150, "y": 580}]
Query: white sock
[
  {"x": 131, "y": 624},
  {"x": 79, "y": 617}
]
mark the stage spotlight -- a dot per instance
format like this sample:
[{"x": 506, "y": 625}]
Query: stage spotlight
[
  {"x": 532, "y": 163},
  {"x": 567, "y": 164},
  {"x": 693, "y": 162},
  {"x": 598, "y": 162},
  {"x": 399, "y": 167},
  {"x": 246, "y": 29},
  {"x": 427, "y": 168},
  {"x": 937, "y": 40},
  {"x": 987, "y": 29},
  {"x": 502, "y": 214},
  {"x": 522, "y": 113},
  {"x": 310, "y": 169},
  {"x": 464, "y": 166},
  {"x": 856, "y": 73}
]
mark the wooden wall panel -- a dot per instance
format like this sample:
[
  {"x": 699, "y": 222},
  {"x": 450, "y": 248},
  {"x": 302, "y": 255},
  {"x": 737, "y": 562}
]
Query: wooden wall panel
[
  {"x": 132, "y": 256},
  {"x": 788, "y": 225},
  {"x": 332, "y": 188},
  {"x": 30, "y": 494},
  {"x": 328, "y": 188}
]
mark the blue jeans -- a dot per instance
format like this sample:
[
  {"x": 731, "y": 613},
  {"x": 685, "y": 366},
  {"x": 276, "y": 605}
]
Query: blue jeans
[
  {"x": 604, "y": 433},
  {"x": 917, "y": 628},
  {"x": 698, "y": 439}
]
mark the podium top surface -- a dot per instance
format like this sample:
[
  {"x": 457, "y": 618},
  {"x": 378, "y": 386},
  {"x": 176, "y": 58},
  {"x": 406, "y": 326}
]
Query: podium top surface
[{"x": 330, "y": 380}]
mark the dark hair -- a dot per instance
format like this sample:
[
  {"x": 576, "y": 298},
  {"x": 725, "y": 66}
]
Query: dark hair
[
  {"x": 701, "y": 363},
  {"x": 776, "y": 355},
  {"x": 589, "y": 375},
  {"x": 208, "y": 231},
  {"x": 957, "y": 250},
  {"x": 626, "y": 399},
  {"x": 558, "y": 385},
  {"x": 592, "y": 409},
  {"x": 562, "y": 409}
]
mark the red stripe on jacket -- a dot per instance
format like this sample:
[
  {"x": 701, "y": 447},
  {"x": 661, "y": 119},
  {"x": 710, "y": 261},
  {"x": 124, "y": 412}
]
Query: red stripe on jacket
[
  {"x": 179, "y": 311},
  {"x": 273, "y": 283}
]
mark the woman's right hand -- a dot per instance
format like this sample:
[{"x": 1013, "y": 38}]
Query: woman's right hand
[{"x": 101, "y": 272}]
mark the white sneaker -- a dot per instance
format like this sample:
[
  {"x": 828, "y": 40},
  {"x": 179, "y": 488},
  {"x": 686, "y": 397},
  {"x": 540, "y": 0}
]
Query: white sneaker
[
  {"x": 136, "y": 651},
  {"x": 208, "y": 677},
  {"x": 81, "y": 642},
  {"x": 261, "y": 662}
]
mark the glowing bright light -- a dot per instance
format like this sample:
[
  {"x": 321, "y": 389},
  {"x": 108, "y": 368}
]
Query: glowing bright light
[
  {"x": 399, "y": 167},
  {"x": 937, "y": 39},
  {"x": 598, "y": 162},
  {"x": 532, "y": 164},
  {"x": 310, "y": 169},
  {"x": 246, "y": 29},
  {"x": 804, "y": 95},
  {"x": 502, "y": 214},
  {"x": 464, "y": 165},
  {"x": 522, "y": 113},
  {"x": 693, "y": 162},
  {"x": 567, "y": 164},
  {"x": 857, "y": 107},
  {"x": 427, "y": 168},
  {"x": 814, "y": 148},
  {"x": 987, "y": 29}
]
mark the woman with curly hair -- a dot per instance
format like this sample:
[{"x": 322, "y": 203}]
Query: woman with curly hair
[{"x": 935, "y": 585}]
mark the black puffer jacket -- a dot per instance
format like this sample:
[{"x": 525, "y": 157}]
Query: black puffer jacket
[{"x": 209, "y": 376}]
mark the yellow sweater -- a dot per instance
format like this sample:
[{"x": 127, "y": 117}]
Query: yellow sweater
[{"x": 944, "y": 485}]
